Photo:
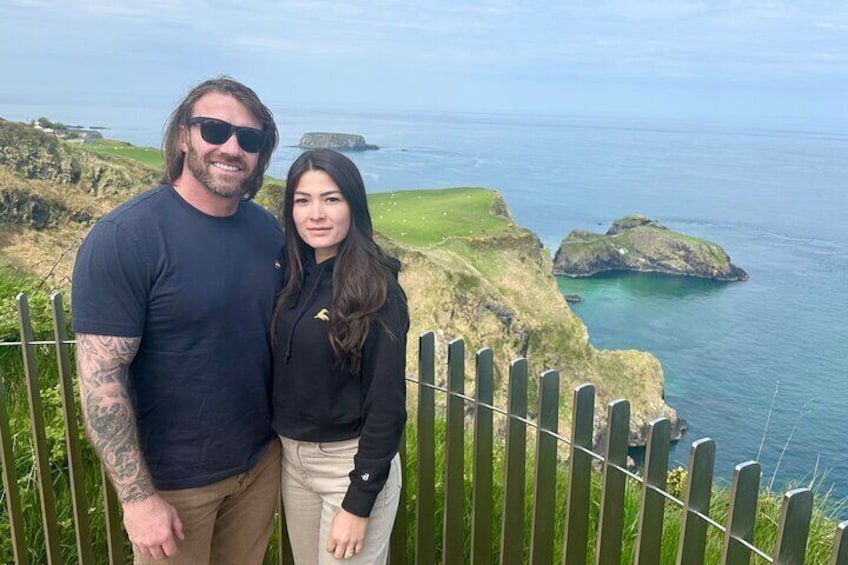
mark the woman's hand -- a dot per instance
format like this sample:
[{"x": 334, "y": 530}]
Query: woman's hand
[{"x": 347, "y": 533}]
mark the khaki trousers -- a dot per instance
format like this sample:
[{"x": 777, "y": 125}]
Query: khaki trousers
[
  {"x": 227, "y": 522},
  {"x": 314, "y": 483}
]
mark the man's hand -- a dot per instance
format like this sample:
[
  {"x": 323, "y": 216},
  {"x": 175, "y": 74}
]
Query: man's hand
[
  {"x": 347, "y": 533},
  {"x": 153, "y": 527}
]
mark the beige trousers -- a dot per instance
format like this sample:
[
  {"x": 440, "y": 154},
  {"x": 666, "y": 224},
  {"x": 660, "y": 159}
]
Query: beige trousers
[
  {"x": 314, "y": 483},
  {"x": 227, "y": 522}
]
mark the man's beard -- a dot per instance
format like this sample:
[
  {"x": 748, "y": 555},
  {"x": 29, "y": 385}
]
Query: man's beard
[{"x": 201, "y": 170}]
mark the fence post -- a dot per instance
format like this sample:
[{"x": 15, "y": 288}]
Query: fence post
[
  {"x": 840, "y": 545},
  {"x": 576, "y": 535},
  {"x": 794, "y": 527},
  {"x": 652, "y": 510},
  {"x": 693, "y": 530},
  {"x": 454, "y": 511},
  {"x": 425, "y": 512},
  {"x": 544, "y": 492},
  {"x": 741, "y": 513},
  {"x": 611, "y": 520},
  {"x": 10, "y": 482},
  {"x": 512, "y": 518},
  {"x": 114, "y": 528},
  {"x": 39, "y": 439},
  {"x": 397, "y": 543},
  {"x": 481, "y": 517},
  {"x": 79, "y": 502}
]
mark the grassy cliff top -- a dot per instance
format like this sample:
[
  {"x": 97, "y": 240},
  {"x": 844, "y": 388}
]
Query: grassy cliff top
[
  {"x": 427, "y": 217},
  {"x": 150, "y": 156}
]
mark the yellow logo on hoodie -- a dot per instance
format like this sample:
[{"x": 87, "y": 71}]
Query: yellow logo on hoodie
[{"x": 323, "y": 315}]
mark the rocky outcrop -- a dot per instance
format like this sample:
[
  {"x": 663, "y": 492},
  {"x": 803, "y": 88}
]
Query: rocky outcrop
[
  {"x": 338, "y": 141},
  {"x": 33, "y": 211},
  {"x": 635, "y": 243}
]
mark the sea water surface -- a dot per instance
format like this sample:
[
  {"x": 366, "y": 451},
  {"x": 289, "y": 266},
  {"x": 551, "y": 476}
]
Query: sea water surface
[{"x": 761, "y": 366}]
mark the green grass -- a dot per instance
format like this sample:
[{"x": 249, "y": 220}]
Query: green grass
[
  {"x": 150, "y": 156},
  {"x": 825, "y": 514},
  {"x": 819, "y": 546},
  {"x": 13, "y": 282},
  {"x": 427, "y": 217}
]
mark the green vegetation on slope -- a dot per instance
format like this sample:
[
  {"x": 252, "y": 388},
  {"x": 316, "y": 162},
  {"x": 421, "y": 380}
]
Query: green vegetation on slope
[{"x": 426, "y": 217}]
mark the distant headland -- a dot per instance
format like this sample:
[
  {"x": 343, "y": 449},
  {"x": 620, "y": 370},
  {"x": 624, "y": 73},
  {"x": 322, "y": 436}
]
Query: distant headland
[
  {"x": 72, "y": 134},
  {"x": 636, "y": 243},
  {"x": 338, "y": 141}
]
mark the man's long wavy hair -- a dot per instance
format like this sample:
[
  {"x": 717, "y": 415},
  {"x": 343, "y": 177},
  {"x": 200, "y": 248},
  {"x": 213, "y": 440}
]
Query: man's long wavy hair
[
  {"x": 174, "y": 156},
  {"x": 362, "y": 272}
]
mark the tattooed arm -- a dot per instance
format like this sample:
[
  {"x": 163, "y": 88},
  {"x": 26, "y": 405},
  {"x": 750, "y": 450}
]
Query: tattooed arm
[
  {"x": 103, "y": 366},
  {"x": 103, "y": 363}
]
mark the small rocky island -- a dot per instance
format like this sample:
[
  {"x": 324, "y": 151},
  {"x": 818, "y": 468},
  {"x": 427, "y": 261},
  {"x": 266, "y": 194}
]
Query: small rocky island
[
  {"x": 636, "y": 243},
  {"x": 337, "y": 141}
]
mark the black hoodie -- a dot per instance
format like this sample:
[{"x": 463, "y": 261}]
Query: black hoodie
[{"x": 318, "y": 400}]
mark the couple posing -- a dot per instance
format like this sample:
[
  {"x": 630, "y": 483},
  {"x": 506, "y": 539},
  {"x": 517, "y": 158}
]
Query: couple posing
[{"x": 214, "y": 347}]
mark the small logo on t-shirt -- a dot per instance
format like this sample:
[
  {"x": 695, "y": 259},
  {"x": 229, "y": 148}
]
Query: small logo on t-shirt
[{"x": 323, "y": 315}]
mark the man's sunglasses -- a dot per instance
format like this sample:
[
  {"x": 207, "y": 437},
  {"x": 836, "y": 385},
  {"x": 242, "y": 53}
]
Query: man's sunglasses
[{"x": 217, "y": 132}]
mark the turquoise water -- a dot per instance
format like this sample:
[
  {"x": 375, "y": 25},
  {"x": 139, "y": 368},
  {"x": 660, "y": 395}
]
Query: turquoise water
[{"x": 758, "y": 366}]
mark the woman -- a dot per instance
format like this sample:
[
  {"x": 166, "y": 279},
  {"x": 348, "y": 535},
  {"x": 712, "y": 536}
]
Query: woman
[{"x": 340, "y": 327}]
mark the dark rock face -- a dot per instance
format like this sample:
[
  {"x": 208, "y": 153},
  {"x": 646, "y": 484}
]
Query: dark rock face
[
  {"x": 338, "y": 141},
  {"x": 635, "y": 243},
  {"x": 27, "y": 209},
  {"x": 33, "y": 211}
]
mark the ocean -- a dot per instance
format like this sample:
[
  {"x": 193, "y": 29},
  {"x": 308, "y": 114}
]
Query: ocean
[{"x": 757, "y": 366}]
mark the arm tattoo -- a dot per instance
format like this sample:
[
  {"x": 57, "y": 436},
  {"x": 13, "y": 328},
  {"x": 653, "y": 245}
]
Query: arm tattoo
[{"x": 103, "y": 366}]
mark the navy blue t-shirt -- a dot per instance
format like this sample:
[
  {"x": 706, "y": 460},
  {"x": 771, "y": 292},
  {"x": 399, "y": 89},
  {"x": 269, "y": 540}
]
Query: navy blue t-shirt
[{"x": 199, "y": 290}]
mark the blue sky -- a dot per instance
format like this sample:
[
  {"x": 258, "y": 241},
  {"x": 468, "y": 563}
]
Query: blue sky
[{"x": 722, "y": 58}]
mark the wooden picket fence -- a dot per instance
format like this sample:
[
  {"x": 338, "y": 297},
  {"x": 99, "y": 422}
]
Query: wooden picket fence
[{"x": 456, "y": 546}]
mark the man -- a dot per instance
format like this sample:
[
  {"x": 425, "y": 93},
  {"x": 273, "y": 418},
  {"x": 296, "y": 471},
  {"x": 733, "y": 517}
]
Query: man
[{"x": 172, "y": 298}]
